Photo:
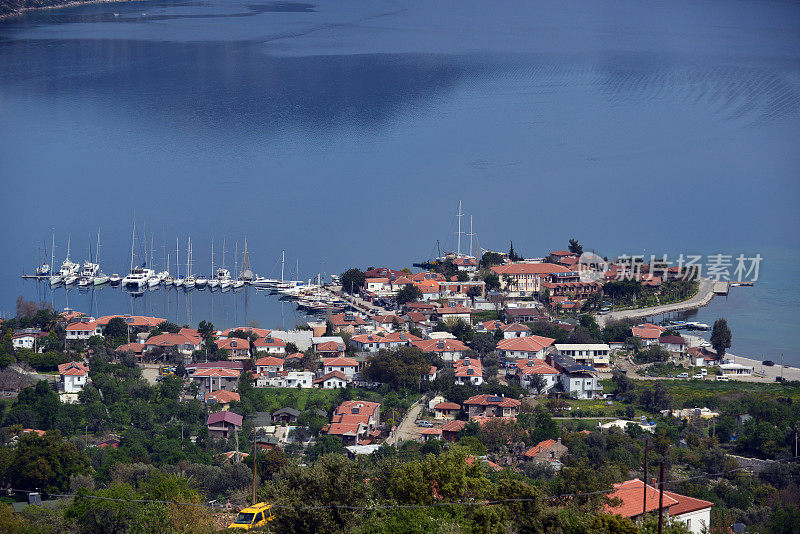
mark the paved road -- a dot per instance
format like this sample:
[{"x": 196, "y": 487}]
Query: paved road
[
  {"x": 704, "y": 295},
  {"x": 408, "y": 430}
]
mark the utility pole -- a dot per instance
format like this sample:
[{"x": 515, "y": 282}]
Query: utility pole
[
  {"x": 255, "y": 467},
  {"x": 644, "y": 501},
  {"x": 661, "y": 500}
]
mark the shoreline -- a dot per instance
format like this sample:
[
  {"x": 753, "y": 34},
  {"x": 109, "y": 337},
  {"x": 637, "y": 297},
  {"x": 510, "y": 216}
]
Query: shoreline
[
  {"x": 74, "y": 3},
  {"x": 769, "y": 373},
  {"x": 704, "y": 295}
]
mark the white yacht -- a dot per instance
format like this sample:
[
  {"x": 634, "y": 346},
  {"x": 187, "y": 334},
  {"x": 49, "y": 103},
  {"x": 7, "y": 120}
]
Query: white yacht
[
  {"x": 178, "y": 282},
  {"x": 137, "y": 278},
  {"x": 153, "y": 282},
  {"x": 85, "y": 282},
  {"x": 89, "y": 270},
  {"x": 115, "y": 279},
  {"x": 70, "y": 280},
  {"x": 189, "y": 282},
  {"x": 168, "y": 281},
  {"x": 201, "y": 281},
  {"x": 213, "y": 284},
  {"x": 56, "y": 279},
  {"x": 238, "y": 284},
  {"x": 101, "y": 279}
]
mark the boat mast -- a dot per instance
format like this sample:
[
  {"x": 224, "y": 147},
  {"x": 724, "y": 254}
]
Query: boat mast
[
  {"x": 283, "y": 262},
  {"x": 152, "y": 239},
  {"x": 458, "y": 250},
  {"x": 97, "y": 254},
  {"x": 188, "y": 256},
  {"x": 212, "y": 257},
  {"x": 133, "y": 240},
  {"x": 53, "y": 253},
  {"x": 177, "y": 259},
  {"x": 471, "y": 235},
  {"x": 69, "y": 238},
  {"x": 236, "y": 259}
]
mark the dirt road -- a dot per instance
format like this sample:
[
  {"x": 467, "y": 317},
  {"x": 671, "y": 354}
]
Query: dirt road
[{"x": 408, "y": 430}]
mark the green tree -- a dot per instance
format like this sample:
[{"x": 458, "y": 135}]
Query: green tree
[
  {"x": 116, "y": 329},
  {"x": 491, "y": 258},
  {"x": 721, "y": 337},
  {"x": 353, "y": 280},
  {"x": 575, "y": 247},
  {"x": 401, "y": 368},
  {"x": 492, "y": 281},
  {"x": 512, "y": 255},
  {"x": 410, "y": 293},
  {"x": 46, "y": 463}
]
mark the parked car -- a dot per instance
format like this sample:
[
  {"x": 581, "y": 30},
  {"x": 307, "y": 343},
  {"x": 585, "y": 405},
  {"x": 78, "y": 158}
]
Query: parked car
[
  {"x": 704, "y": 372},
  {"x": 722, "y": 377},
  {"x": 424, "y": 424},
  {"x": 698, "y": 376},
  {"x": 683, "y": 375},
  {"x": 768, "y": 363}
]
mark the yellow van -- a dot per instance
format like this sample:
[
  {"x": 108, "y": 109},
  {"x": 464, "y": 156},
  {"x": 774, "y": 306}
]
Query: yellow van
[{"x": 254, "y": 516}]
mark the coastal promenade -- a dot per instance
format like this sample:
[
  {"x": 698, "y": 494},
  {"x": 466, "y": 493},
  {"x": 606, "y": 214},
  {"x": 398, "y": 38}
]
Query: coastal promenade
[{"x": 703, "y": 296}]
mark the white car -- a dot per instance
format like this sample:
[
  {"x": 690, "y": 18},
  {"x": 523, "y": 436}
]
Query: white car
[
  {"x": 698, "y": 376},
  {"x": 683, "y": 375}
]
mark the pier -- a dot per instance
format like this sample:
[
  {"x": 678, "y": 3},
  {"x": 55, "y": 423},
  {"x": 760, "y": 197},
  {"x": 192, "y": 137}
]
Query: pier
[{"x": 721, "y": 288}]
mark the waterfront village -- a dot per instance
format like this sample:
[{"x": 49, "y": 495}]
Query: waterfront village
[{"x": 539, "y": 384}]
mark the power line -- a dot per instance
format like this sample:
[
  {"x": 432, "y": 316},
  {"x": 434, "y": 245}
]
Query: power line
[{"x": 412, "y": 506}]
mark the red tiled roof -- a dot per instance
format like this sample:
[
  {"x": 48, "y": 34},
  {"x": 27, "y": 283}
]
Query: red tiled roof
[
  {"x": 80, "y": 326},
  {"x": 686, "y": 504},
  {"x": 229, "y": 417},
  {"x": 631, "y": 494},
  {"x": 329, "y": 346},
  {"x": 270, "y": 361},
  {"x": 133, "y": 320},
  {"x": 133, "y": 347},
  {"x": 333, "y": 374},
  {"x": 536, "y": 367},
  {"x": 233, "y": 343},
  {"x": 515, "y": 327},
  {"x": 529, "y": 268},
  {"x": 170, "y": 340},
  {"x": 339, "y": 362},
  {"x": 221, "y": 373},
  {"x": 454, "y": 426},
  {"x": 73, "y": 369},
  {"x": 430, "y": 432},
  {"x": 527, "y": 343},
  {"x": 401, "y": 337},
  {"x": 440, "y": 345},
  {"x": 222, "y": 396},
  {"x": 269, "y": 341},
  {"x": 447, "y": 406},
  {"x": 673, "y": 340},
  {"x": 541, "y": 446},
  {"x": 295, "y": 355},
  {"x": 483, "y": 400}
]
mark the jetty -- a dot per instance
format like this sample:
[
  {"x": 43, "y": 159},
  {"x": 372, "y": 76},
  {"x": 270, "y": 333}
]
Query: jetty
[{"x": 704, "y": 295}]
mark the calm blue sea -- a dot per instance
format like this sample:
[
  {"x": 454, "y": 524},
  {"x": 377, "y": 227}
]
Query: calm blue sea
[{"x": 346, "y": 133}]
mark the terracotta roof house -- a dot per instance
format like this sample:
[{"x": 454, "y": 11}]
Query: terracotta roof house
[
  {"x": 239, "y": 349},
  {"x": 523, "y": 315},
  {"x": 648, "y": 333},
  {"x": 694, "y": 513},
  {"x": 270, "y": 345},
  {"x": 452, "y": 313},
  {"x": 83, "y": 330},
  {"x": 332, "y": 380},
  {"x": 270, "y": 364},
  {"x": 446, "y": 411},
  {"x": 136, "y": 348},
  {"x": 527, "y": 369},
  {"x": 223, "y": 424},
  {"x": 347, "y": 322},
  {"x": 137, "y": 321},
  {"x": 73, "y": 376},
  {"x": 184, "y": 344},
  {"x": 329, "y": 348},
  {"x": 514, "y": 330},
  {"x": 674, "y": 344},
  {"x": 222, "y": 397},
  {"x": 525, "y": 347},
  {"x": 353, "y": 420},
  {"x": 492, "y": 406},
  {"x": 468, "y": 371},
  {"x": 549, "y": 451},
  {"x": 430, "y": 433},
  {"x": 216, "y": 378},
  {"x": 524, "y": 278},
  {"x": 451, "y": 429},
  {"x": 446, "y": 349},
  {"x": 347, "y": 366}
]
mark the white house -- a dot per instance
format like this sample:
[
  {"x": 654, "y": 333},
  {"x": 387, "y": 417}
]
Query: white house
[
  {"x": 527, "y": 369},
  {"x": 269, "y": 365},
  {"x": 83, "y": 330},
  {"x": 468, "y": 371},
  {"x": 346, "y": 366},
  {"x": 73, "y": 376},
  {"x": 735, "y": 369},
  {"x": 527, "y": 347},
  {"x": 593, "y": 354},
  {"x": 270, "y": 345},
  {"x": 332, "y": 380},
  {"x": 514, "y": 330},
  {"x": 376, "y": 284},
  {"x": 26, "y": 339},
  {"x": 692, "y": 512},
  {"x": 578, "y": 381},
  {"x": 291, "y": 379},
  {"x": 447, "y": 349},
  {"x": 369, "y": 342}
]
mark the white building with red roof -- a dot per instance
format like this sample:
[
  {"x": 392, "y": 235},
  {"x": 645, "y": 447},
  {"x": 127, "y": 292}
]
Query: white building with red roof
[
  {"x": 346, "y": 366},
  {"x": 354, "y": 420},
  {"x": 528, "y": 369},
  {"x": 332, "y": 380},
  {"x": 447, "y": 349},
  {"x": 523, "y": 279},
  {"x": 134, "y": 321},
  {"x": 446, "y": 411},
  {"x": 270, "y": 345},
  {"x": 649, "y": 333},
  {"x": 527, "y": 347},
  {"x": 83, "y": 330},
  {"x": 185, "y": 345},
  {"x": 329, "y": 349},
  {"x": 27, "y": 339},
  {"x": 269, "y": 365},
  {"x": 468, "y": 371},
  {"x": 451, "y": 314},
  {"x": 347, "y": 322},
  {"x": 514, "y": 330},
  {"x": 73, "y": 376},
  {"x": 238, "y": 348}
]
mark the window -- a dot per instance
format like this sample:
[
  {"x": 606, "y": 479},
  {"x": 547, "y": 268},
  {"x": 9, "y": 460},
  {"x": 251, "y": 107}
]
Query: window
[{"x": 259, "y": 517}]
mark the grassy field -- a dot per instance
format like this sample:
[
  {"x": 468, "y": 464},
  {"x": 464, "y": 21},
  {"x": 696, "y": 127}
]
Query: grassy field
[
  {"x": 695, "y": 392},
  {"x": 300, "y": 399},
  {"x": 597, "y": 408}
]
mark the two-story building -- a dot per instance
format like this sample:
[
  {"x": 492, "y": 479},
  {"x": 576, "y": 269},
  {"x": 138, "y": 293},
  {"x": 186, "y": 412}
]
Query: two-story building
[
  {"x": 223, "y": 424},
  {"x": 527, "y": 347},
  {"x": 73, "y": 376},
  {"x": 523, "y": 279},
  {"x": 579, "y": 381},
  {"x": 492, "y": 406},
  {"x": 447, "y": 349},
  {"x": 528, "y": 369},
  {"x": 468, "y": 371},
  {"x": 346, "y": 366},
  {"x": 592, "y": 354}
]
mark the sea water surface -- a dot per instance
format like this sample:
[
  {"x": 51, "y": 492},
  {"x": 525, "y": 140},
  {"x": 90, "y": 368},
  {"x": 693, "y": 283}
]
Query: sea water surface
[{"x": 345, "y": 133}]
